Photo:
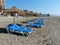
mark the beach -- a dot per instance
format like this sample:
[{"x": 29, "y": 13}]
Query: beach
[{"x": 49, "y": 34}]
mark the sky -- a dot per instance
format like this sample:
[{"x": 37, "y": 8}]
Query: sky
[{"x": 44, "y": 6}]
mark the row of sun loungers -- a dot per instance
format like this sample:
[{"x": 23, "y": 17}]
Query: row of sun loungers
[{"x": 24, "y": 29}]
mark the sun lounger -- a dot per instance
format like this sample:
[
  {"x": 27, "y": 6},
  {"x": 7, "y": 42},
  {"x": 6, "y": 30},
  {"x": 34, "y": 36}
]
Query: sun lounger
[
  {"x": 19, "y": 29},
  {"x": 40, "y": 20},
  {"x": 37, "y": 23}
]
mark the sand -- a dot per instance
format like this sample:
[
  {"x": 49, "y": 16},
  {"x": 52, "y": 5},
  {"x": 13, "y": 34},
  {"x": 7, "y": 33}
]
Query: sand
[{"x": 49, "y": 34}]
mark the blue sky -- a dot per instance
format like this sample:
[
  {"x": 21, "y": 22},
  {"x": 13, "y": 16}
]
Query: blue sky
[{"x": 44, "y": 6}]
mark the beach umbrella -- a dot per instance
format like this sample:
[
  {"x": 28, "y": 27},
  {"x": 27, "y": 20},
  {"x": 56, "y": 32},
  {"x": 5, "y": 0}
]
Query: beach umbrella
[{"x": 15, "y": 12}]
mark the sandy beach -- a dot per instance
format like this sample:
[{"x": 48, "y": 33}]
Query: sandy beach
[{"x": 49, "y": 34}]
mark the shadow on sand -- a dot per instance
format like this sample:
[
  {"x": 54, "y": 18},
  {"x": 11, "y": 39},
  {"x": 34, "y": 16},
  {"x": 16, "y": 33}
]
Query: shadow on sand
[
  {"x": 24, "y": 22},
  {"x": 32, "y": 26},
  {"x": 4, "y": 30}
]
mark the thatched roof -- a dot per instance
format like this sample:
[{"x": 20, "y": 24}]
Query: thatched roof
[
  {"x": 14, "y": 10},
  {"x": 22, "y": 13}
]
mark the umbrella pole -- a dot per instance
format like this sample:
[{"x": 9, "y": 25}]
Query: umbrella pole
[{"x": 14, "y": 20}]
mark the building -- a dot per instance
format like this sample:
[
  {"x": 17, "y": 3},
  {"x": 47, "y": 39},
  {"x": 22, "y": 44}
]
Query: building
[{"x": 2, "y": 5}]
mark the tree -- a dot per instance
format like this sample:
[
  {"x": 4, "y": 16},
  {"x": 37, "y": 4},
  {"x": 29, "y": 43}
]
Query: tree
[
  {"x": 48, "y": 14},
  {"x": 25, "y": 10},
  {"x": 31, "y": 11},
  {"x": 40, "y": 13}
]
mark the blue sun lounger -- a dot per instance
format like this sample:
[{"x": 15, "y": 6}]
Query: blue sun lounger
[
  {"x": 40, "y": 20},
  {"x": 19, "y": 29},
  {"x": 37, "y": 23}
]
